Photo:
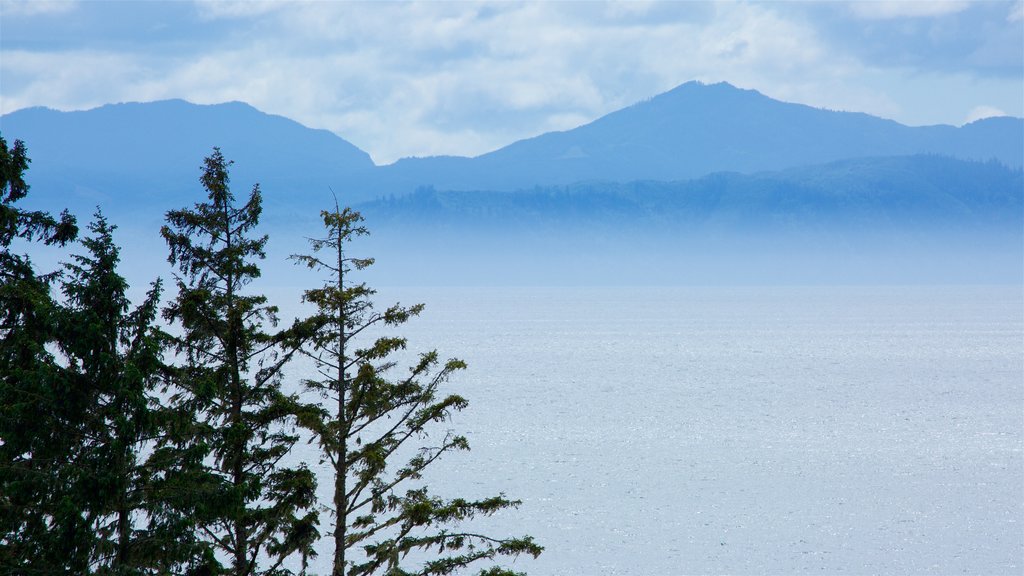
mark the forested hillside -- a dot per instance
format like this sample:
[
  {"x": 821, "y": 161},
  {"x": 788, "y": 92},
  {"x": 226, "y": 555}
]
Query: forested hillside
[{"x": 893, "y": 219}]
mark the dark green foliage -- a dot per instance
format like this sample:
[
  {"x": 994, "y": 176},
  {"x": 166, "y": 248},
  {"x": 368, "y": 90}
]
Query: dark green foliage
[
  {"x": 366, "y": 419},
  {"x": 18, "y": 223},
  {"x": 75, "y": 406},
  {"x": 231, "y": 432},
  {"x": 75, "y": 402},
  {"x": 41, "y": 526},
  {"x": 114, "y": 362},
  {"x": 114, "y": 463}
]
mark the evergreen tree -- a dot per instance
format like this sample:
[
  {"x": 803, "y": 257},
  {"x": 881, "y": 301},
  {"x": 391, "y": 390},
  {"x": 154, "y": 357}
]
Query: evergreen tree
[
  {"x": 370, "y": 415},
  {"x": 75, "y": 382},
  {"x": 246, "y": 506},
  {"x": 114, "y": 360},
  {"x": 18, "y": 223},
  {"x": 42, "y": 528}
]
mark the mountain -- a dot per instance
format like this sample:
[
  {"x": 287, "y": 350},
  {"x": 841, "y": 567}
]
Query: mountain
[
  {"x": 704, "y": 183},
  {"x": 696, "y": 129},
  {"x": 148, "y": 155}
]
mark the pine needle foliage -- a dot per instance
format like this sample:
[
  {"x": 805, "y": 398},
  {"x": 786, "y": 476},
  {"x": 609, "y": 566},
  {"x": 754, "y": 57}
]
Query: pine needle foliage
[
  {"x": 114, "y": 358},
  {"x": 367, "y": 416},
  {"x": 42, "y": 528},
  {"x": 250, "y": 512}
]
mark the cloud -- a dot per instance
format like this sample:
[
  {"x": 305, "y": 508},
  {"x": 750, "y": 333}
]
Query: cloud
[
  {"x": 402, "y": 79},
  {"x": 1016, "y": 12},
  {"x": 883, "y": 10},
  {"x": 980, "y": 112},
  {"x": 69, "y": 80},
  {"x": 11, "y": 8},
  {"x": 236, "y": 9},
  {"x": 430, "y": 78},
  {"x": 976, "y": 38}
]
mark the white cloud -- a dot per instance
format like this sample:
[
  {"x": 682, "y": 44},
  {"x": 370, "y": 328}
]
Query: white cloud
[
  {"x": 980, "y": 112},
  {"x": 885, "y": 10},
  {"x": 1016, "y": 12},
  {"x": 231, "y": 9},
  {"x": 70, "y": 79},
  {"x": 627, "y": 8},
  {"x": 465, "y": 78},
  {"x": 36, "y": 7}
]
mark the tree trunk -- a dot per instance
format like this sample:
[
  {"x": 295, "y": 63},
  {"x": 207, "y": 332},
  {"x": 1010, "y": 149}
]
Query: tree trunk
[
  {"x": 124, "y": 520},
  {"x": 341, "y": 471},
  {"x": 241, "y": 538}
]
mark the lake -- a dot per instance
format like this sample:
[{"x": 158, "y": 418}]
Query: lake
[{"x": 778, "y": 430}]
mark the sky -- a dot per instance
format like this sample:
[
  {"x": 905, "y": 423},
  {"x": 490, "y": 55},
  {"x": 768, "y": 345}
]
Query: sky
[{"x": 463, "y": 78}]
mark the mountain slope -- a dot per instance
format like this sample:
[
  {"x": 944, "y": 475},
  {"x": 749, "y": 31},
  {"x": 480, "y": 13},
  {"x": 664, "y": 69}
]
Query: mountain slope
[
  {"x": 697, "y": 129},
  {"x": 150, "y": 153},
  {"x": 146, "y": 157}
]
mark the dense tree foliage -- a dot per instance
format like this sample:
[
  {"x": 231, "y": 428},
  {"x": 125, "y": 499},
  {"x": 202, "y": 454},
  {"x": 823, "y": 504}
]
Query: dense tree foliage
[
  {"x": 244, "y": 503},
  {"x": 372, "y": 417},
  {"x": 114, "y": 361},
  {"x": 75, "y": 402},
  {"x": 42, "y": 529}
]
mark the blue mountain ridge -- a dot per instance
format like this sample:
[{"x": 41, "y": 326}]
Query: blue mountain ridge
[
  {"x": 696, "y": 129},
  {"x": 149, "y": 153},
  {"x": 145, "y": 155},
  {"x": 704, "y": 183}
]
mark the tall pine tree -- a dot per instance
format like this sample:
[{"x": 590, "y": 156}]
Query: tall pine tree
[
  {"x": 369, "y": 415},
  {"x": 248, "y": 509},
  {"x": 76, "y": 402},
  {"x": 113, "y": 357},
  {"x": 42, "y": 526}
]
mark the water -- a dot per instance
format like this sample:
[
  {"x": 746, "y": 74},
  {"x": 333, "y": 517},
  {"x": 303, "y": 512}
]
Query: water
[{"x": 740, "y": 430}]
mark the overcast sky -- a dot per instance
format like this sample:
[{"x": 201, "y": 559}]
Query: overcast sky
[{"x": 418, "y": 79}]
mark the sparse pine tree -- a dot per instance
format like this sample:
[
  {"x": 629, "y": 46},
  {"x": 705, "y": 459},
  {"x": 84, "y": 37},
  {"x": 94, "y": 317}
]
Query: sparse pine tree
[{"x": 368, "y": 413}]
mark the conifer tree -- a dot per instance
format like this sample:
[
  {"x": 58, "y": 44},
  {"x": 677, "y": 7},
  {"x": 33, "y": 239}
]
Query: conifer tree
[
  {"x": 75, "y": 400},
  {"x": 114, "y": 360},
  {"x": 369, "y": 414},
  {"x": 42, "y": 530},
  {"x": 246, "y": 506}
]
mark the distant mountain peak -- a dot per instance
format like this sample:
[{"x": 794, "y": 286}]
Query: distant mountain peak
[
  {"x": 156, "y": 148},
  {"x": 699, "y": 97},
  {"x": 698, "y": 128},
  {"x": 697, "y": 87},
  {"x": 992, "y": 120}
]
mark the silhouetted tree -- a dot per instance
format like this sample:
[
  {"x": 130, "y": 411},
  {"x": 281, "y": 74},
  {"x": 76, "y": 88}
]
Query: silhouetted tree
[
  {"x": 368, "y": 414},
  {"x": 76, "y": 404}
]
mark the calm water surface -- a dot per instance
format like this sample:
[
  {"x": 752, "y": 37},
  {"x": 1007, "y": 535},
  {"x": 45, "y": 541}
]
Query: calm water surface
[{"x": 660, "y": 431}]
